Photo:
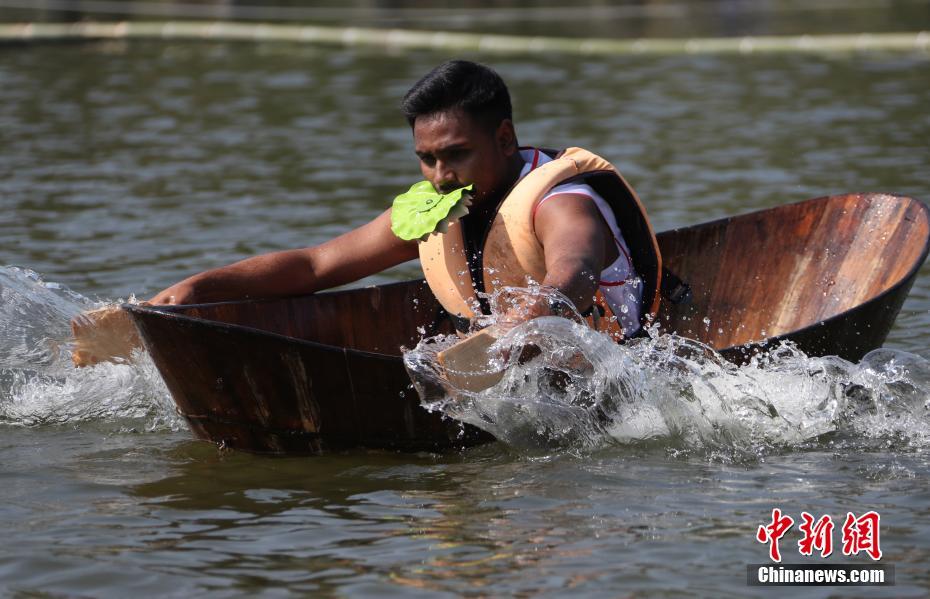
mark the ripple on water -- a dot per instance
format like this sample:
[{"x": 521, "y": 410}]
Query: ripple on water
[{"x": 259, "y": 158}]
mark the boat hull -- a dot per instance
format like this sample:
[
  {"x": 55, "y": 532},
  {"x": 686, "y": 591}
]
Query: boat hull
[
  {"x": 324, "y": 372},
  {"x": 266, "y": 390}
]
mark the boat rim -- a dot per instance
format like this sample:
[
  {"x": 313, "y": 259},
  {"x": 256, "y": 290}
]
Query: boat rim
[{"x": 172, "y": 311}]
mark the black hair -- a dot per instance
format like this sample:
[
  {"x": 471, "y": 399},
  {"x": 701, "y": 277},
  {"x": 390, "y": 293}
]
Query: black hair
[{"x": 469, "y": 86}]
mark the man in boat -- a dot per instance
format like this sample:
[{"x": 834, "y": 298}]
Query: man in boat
[{"x": 566, "y": 221}]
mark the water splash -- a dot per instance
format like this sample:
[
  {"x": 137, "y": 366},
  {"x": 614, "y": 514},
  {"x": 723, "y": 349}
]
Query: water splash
[
  {"x": 38, "y": 382},
  {"x": 578, "y": 389}
]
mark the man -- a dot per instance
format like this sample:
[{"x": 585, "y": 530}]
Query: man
[{"x": 461, "y": 117}]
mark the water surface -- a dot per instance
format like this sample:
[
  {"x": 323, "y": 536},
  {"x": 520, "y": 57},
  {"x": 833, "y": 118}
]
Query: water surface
[{"x": 126, "y": 166}]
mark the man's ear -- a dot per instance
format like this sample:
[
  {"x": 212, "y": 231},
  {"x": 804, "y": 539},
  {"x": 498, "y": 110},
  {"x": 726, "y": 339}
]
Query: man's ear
[{"x": 506, "y": 137}]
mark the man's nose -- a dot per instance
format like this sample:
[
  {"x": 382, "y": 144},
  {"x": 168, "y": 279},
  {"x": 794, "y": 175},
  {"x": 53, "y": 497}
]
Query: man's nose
[{"x": 445, "y": 179}]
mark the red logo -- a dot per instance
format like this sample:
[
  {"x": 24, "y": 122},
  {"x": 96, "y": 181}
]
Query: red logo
[
  {"x": 773, "y": 532},
  {"x": 859, "y": 534},
  {"x": 817, "y": 535}
]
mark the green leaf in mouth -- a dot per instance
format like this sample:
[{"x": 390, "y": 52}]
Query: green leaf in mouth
[{"x": 422, "y": 210}]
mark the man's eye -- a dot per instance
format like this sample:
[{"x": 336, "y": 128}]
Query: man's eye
[{"x": 428, "y": 160}]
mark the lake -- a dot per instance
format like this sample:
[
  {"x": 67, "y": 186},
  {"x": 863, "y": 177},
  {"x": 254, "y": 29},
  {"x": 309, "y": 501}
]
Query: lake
[{"x": 125, "y": 166}]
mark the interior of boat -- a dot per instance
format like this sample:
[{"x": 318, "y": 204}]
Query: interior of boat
[{"x": 752, "y": 276}]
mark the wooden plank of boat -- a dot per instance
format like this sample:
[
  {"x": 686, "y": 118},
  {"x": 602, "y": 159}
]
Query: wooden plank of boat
[
  {"x": 325, "y": 371},
  {"x": 829, "y": 274}
]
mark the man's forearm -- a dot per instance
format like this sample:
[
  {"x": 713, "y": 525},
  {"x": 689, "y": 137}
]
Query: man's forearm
[{"x": 278, "y": 274}]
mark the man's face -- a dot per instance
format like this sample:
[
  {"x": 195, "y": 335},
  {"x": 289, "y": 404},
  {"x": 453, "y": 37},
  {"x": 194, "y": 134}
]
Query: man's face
[{"x": 456, "y": 150}]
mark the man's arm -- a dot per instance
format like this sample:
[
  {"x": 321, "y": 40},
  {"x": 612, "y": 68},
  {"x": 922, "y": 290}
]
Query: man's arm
[
  {"x": 364, "y": 251},
  {"x": 577, "y": 244}
]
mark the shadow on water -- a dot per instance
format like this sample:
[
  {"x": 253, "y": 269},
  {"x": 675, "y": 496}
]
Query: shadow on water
[
  {"x": 417, "y": 521},
  {"x": 347, "y": 516},
  {"x": 487, "y": 519}
]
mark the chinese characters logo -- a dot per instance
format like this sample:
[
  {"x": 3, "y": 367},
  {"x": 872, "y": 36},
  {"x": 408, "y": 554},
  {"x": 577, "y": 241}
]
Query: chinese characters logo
[{"x": 858, "y": 534}]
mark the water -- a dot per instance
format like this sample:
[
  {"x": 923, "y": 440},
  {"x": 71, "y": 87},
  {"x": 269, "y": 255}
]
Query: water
[
  {"x": 38, "y": 382},
  {"x": 682, "y": 18},
  {"x": 124, "y": 167},
  {"x": 578, "y": 390}
]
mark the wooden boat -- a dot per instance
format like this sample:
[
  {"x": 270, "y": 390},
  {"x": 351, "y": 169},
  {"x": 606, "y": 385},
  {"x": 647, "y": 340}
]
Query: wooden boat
[{"x": 323, "y": 372}]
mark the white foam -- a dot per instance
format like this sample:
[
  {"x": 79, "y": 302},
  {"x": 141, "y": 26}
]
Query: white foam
[
  {"x": 38, "y": 383},
  {"x": 584, "y": 391}
]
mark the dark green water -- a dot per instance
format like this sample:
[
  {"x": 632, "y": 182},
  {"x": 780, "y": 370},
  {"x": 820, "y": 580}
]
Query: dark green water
[
  {"x": 124, "y": 167},
  {"x": 596, "y": 18}
]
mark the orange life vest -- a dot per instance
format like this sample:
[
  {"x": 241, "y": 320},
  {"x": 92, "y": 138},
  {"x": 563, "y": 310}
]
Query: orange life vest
[{"x": 512, "y": 254}]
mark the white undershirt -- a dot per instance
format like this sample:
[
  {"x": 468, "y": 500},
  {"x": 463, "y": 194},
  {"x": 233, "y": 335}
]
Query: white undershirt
[{"x": 621, "y": 286}]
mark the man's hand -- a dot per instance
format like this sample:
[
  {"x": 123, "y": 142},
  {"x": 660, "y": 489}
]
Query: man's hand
[
  {"x": 519, "y": 306},
  {"x": 524, "y": 308},
  {"x": 179, "y": 293}
]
